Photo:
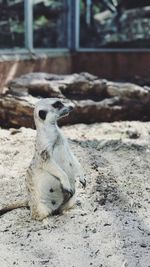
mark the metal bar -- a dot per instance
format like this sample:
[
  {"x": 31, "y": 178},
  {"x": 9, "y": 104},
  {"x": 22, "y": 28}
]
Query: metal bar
[
  {"x": 88, "y": 12},
  {"x": 77, "y": 28},
  {"x": 35, "y": 51},
  {"x": 28, "y": 13},
  {"x": 74, "y": 15},
  {"x": 25, "y": 55},
  {"x": 72, "y": 8},
  {"x": 105, "y": 50},
  {"x": 10, "y": 54},
  {"x": 69, "y": 24},
  {"x": 12, "y": 51},
  {"x": 65, "y": 50}
]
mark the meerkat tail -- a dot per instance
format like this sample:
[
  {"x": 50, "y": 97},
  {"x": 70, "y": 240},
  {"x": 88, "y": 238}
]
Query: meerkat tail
[{"x": 16, "y": 205}]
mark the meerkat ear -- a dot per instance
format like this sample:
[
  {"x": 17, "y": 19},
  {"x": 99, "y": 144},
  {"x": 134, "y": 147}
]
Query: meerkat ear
[{"x": 42, "y": 114}]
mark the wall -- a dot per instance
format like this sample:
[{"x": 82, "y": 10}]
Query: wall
[
  {"x": 111, "y": 65},
  {"x": 11, "y": 67}
]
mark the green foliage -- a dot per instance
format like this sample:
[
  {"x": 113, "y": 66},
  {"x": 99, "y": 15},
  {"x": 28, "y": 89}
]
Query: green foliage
[
  {"x": 40, "y": 22},
  {"x": 96, "y": 9},
  {"x": 81, "y": 6},
  {"x": 17, "y": 27}
]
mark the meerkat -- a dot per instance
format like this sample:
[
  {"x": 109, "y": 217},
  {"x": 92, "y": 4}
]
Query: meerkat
[{"x": 52, "y": 174}]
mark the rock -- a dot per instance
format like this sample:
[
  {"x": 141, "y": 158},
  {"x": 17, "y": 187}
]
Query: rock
[
  {"x": 133, "y": 134},
  {"x": 143, "y": 245}
]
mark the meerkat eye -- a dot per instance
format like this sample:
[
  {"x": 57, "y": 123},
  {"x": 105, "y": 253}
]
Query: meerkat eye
[
  {"x": 42, "y": 114},
  {"x": 58, "y": 105}
]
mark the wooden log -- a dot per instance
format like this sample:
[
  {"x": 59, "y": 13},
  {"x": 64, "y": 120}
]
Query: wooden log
[
  {"x": 18, "y": 111},
  {"x": 36, "y": 84},
  {"x": 95, "y": 100},
  {"x": 75, "y": 86}
]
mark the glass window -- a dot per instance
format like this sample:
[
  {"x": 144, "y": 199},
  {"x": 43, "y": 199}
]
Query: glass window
[
  {"x": 114, "y": 24},
  {"x": 11, "y": 24},
  {"x": 50, "y": 24}
]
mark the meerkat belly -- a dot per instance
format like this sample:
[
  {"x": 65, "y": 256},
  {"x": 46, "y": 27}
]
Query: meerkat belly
[
  {"x": 49, "y": 190},
  {"x": 63, "y": 157}
]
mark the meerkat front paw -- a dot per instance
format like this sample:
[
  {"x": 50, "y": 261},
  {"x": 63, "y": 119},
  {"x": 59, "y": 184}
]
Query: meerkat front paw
[
  {"x": 82, "y": 180},
  {"x": 65, "y": 185},
  {"x": 68, "y": 192}
]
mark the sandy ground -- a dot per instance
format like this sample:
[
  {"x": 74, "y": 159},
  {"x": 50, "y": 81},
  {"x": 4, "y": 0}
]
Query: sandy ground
[{"x": 110, "y": 224}]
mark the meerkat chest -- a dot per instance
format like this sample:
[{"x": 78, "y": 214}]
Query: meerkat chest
[{"x": 63, "y": 156}]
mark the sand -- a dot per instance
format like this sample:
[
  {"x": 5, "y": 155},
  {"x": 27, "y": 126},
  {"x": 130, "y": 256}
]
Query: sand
[{"x": 110, "y": 224}]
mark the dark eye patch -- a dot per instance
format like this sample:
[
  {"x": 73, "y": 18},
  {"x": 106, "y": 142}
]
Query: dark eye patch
[
  {"x": 58, "y": 105},
  {"x": 42, "y": 114}
]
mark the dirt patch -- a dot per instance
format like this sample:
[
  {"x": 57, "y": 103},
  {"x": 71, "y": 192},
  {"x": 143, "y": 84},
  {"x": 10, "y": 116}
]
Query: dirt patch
[{"x": 110, "y": 224}]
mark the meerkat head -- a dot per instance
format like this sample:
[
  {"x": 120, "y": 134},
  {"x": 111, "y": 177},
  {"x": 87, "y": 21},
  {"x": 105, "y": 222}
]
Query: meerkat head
[{"x": 49, "y": 110}]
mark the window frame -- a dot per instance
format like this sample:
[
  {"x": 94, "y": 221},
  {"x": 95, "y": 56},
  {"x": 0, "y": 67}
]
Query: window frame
[
  {"x": 92, "y": 49},
  {"x": 73, "y": 36},
  {"x": 28, "y": 35}
]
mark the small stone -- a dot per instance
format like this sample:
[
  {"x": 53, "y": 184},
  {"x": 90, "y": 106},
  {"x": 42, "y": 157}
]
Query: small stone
[
  {"x": 44, "y": 261},
  {"x": 86, "y": 236},
  {"x": 78, "y": 203},
  {"x": 102, "y": 201},
  {"x": 133, "y": 134},
  {"x": 107, "y": 224},
  {"x": 83, "y": 214},
  {"x": 14, "y": 131},
  {"x": 143, "y": 245},
  {"x": 96, "y": 252}
]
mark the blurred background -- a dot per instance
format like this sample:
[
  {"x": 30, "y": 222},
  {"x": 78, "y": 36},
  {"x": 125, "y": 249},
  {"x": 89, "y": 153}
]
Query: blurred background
[
  {"x": 109, "y": 39},
  {"x": 74, "y": 25},
  {"x": 86, "y": 35}
]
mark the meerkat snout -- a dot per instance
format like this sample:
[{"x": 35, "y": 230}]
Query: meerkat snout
[
  {"x": 61, "y": 109},
  {"x": 65, "y": 111}
]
